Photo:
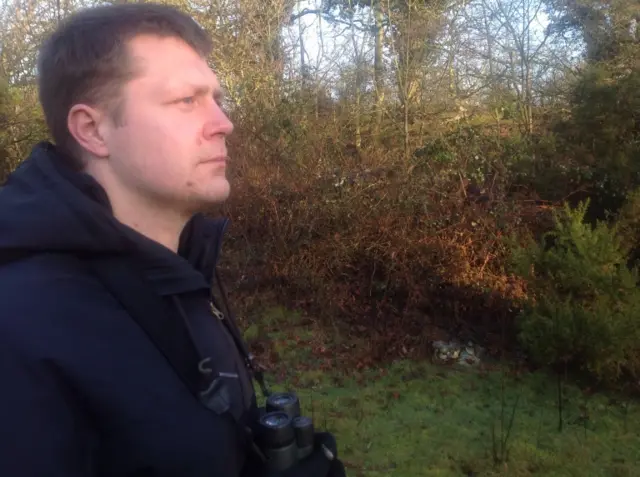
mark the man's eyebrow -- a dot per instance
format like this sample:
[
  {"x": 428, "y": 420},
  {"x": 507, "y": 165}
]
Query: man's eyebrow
[{"x": 217, "y": 93}]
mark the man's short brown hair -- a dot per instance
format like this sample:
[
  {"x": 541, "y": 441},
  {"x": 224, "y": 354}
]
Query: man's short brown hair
[{"x": 85, "y": 59}]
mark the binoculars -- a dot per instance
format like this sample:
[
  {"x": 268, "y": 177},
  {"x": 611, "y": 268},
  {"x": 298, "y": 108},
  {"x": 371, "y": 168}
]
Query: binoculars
[{"x": 283, "y": 435}]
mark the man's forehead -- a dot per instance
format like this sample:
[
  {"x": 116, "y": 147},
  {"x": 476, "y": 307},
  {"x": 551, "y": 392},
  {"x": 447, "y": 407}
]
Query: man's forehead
[
  {"x": 171, "y": 63},
  {"x": 190, "y": 82}
]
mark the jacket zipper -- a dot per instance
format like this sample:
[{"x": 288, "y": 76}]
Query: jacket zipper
[
  {"x": 215, "y": 312},
  {"x": 218, "y": 314}
]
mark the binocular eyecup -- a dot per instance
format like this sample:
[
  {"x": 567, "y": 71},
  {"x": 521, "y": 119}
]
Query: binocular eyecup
[{"x": 283, "y": 435}]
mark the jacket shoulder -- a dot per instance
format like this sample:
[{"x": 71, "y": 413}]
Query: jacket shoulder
[
  {"x": 44, "y": 275},
  {"x": 44, "y": 294}
]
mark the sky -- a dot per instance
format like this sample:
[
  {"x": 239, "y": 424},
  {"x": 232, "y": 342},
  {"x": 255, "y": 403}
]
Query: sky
[
  {"x": 337, "y": 46},
  {"x": 326, "y": 45}
]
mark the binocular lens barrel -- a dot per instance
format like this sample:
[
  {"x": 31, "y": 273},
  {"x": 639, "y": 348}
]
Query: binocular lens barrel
[
  {"x": 304, "y": 431},
  {"x": 286, "y": 402},
  {"x": 303, "y": 427},
  {"x": 284, "y": 435},
  {"x": 276, "y": 430}
]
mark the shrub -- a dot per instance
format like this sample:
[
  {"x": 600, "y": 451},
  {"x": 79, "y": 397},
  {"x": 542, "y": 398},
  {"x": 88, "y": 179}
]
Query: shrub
[{"x": 583, "y": 307}]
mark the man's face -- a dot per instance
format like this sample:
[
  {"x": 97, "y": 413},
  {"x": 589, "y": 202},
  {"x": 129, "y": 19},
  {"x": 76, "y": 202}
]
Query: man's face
[{"x": 171, "y": 145}]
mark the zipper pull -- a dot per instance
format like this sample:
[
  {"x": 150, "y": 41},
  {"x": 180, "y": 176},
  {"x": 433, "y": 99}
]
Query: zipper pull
[{"x": 215, "y": 312}]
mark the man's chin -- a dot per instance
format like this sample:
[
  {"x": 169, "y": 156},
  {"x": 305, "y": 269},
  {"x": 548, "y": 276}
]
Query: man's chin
[
  {"x": 222, "y": 192},
  {"x": 214, "y": 198}
]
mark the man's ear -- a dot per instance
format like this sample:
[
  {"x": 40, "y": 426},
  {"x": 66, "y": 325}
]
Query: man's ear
[{"x": 85, "y": 124}]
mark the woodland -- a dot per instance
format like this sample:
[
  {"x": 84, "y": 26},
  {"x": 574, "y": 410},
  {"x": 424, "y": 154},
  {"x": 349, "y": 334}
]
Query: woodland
[{"x": 413, "y": 170}]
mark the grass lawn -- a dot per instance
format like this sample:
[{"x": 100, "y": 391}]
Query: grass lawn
[{"x": 418, "y": 419}]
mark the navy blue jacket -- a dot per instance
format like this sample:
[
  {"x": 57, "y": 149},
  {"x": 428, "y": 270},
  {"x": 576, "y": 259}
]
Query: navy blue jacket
[{"x": 84, "y": 391}]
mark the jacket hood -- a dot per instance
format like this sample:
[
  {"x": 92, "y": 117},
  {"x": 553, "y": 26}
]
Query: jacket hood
[{"x": 47, "y": 207}]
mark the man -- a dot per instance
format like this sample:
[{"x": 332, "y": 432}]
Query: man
[{"x": 115, "y": 359}]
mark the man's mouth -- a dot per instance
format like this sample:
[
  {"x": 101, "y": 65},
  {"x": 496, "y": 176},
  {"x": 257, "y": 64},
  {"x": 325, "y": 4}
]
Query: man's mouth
[{"x": 217, "y": 160}]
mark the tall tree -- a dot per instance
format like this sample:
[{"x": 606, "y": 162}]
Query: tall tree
[{"x": 605, "y": 25}]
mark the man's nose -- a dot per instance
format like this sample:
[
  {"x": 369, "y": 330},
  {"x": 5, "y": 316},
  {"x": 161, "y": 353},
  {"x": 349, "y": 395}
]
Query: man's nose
[{"x": 219, "y": 123}]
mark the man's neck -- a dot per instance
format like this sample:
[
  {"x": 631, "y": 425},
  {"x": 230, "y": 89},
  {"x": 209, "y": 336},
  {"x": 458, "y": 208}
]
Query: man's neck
[
  {"x": 157, "y": 227},
  {"x": 162, "y": 223},
  {"x": 157, "y": 223}
]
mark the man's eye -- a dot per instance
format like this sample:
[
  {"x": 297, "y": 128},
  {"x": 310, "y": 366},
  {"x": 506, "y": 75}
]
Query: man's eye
[{"x": 188, "y": 100}]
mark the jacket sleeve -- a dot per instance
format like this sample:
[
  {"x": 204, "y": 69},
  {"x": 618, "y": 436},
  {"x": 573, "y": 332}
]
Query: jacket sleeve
[{"x": 42, "y": 431}]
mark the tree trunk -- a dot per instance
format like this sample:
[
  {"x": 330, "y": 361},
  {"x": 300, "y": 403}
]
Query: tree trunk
[{"x": 378, "y": 68}]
